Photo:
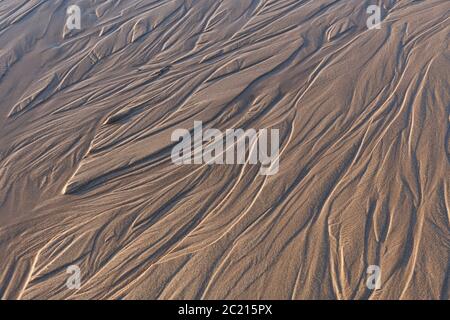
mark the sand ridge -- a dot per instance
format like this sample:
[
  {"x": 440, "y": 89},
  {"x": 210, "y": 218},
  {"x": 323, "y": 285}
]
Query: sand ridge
[{"x": 86, "y": 176}]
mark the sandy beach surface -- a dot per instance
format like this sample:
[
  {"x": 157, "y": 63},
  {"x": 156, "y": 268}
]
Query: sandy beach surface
[{"x": 87, "y": 178}]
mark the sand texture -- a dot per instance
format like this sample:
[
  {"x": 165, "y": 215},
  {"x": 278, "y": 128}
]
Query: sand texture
[{"x": 86, "y": 176}]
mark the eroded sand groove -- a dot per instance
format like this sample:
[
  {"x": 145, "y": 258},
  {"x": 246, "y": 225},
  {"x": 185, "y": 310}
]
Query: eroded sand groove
[{"x": 86, "y": 176}]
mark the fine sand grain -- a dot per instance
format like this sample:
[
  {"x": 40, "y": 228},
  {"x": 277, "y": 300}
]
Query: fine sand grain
[{"x": 86, "y": 176}]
